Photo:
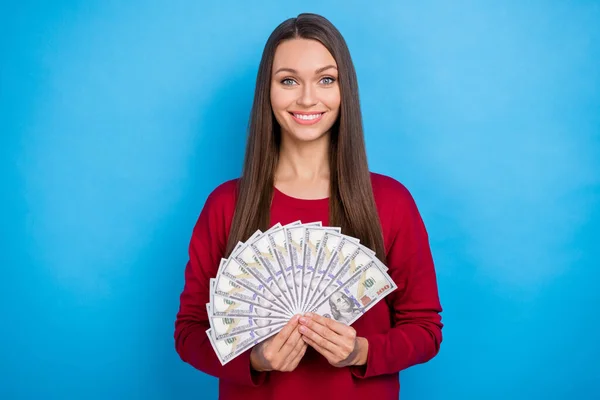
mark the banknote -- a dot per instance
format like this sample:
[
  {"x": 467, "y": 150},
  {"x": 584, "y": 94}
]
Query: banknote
[
  {"x": 330, "y": 246},
  {"x": 224, "y": 327},
  {"x": 229, "y": 348},
  {"x": 243, "y": 276},
  {"x": 224, "y": 306},
  {"x": 227, "y": 287},
  {"x": 295, "y": 241},
  {"x": 361, "y": 292},
  {"x": 248, "y": 259},
  {"x": 354, "y": 257},
  {"x": 310, "y": 247},
  {"x": 239, "y": 245},
  {"x": 278, "y": 244},
  {"x": 278, "y": 240},
  {"x": 269, "y": 259},
  {"x": 286, "y": 270},
  {"x": 345, "y": 250}
]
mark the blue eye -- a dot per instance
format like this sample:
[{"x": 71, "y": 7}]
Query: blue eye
[
  {"x": 329, "y": 79},
  {"x": 287, "y": 80}
]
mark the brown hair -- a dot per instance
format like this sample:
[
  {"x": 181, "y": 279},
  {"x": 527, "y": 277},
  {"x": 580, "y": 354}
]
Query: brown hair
[{"x": 351, "y": 202}]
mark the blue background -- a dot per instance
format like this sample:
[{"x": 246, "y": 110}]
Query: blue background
[{"x": 118, "y": 118}]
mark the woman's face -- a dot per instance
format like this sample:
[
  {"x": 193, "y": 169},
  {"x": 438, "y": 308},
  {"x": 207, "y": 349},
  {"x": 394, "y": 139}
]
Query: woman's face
[{"x": 305, "y": 95}]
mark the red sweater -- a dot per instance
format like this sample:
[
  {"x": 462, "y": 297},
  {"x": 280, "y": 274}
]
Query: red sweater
[{"x": 402, "y": 330}]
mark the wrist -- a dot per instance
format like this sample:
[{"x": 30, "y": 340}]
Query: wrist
[
  {"x": 254, "y": 362},
  {"x": 362, "y": 353}
]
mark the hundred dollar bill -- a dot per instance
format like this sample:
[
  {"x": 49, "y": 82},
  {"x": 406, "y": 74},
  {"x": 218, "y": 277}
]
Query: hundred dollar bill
[
  {"x": 229, "y": 348},
  {"x": 350, "y": 301},
  {"x": 268, "y": 257},
  {"x": 350, "y": 258},
  {"x": 255, "y": 283},
  {"x": 243, "y": 275},
  {"x": 345, "y": 250},
  {"x": 238, "y": 246},
  {"x": 278, "y": 239},
  {"x": 248, "y": 259},
  {"x": 278, "y": 244},
  {"x": 236, "y": 249},
  {"x": 294, "y": 238},
  {"x": 310, "y": 247},
  {"x": 224, "y": 306},
  {"x": 330, "y": 246},
  {"x": 235, "y": 289},
  {"x": 224, "y": 327}
]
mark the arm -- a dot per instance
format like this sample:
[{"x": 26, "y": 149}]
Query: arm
[
  {"x": 206, "y": 248},
  {"x": 416, "y": 332}
]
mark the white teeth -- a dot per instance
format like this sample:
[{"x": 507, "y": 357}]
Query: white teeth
[{"x": 307, "y": 117}]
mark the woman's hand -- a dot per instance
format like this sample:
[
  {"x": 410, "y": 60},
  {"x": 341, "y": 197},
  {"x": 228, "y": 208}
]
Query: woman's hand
[
  {"x": 337, "y": 342},
  {"x": 281, "y": 352}
]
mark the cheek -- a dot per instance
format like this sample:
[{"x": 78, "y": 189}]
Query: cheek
[
  {"x": 331, "y": 100},
  {"x": 280, "y": 99}
]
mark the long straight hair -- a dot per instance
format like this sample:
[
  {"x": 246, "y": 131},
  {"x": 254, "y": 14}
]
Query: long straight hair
[{"x": 351, "y": 201}]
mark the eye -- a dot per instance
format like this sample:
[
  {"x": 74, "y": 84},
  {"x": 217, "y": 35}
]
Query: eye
[
  {"x": 328, "y": 80},
  {"x": 288, "y": 82}
]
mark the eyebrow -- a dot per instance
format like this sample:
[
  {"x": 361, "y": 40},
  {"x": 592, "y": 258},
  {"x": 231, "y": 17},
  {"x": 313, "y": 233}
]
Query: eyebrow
[{"x": 293, "y": 71}]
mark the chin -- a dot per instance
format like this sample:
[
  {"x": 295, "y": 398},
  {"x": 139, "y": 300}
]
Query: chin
[
  {"x": 307, "y": 136},
  {"x": 300, "y": 133}
]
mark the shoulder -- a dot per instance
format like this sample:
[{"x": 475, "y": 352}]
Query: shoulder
[
  {"x": 222, "y": 198},
  {"x": 395, "y": 205},
  {"x": 389, "y": 190},
  {"x": 215, "y": 218},
  {"x": 224, "y": 192}
]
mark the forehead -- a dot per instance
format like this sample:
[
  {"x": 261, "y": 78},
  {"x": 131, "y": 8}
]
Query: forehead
[{"x": 303, "y": 55}]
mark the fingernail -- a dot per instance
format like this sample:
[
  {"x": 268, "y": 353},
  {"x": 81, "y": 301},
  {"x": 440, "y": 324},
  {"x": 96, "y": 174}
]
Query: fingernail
[
  {"x": 295, "y": 319},
  {"x": 302, "y": 329},
  {"x": 302, "y": 320}
]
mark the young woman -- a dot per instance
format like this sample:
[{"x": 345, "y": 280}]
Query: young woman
[{"x": 306, "y": 160}]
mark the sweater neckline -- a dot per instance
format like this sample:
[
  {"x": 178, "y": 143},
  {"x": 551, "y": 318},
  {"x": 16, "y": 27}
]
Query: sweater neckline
[{"x": 297, "y": 202}]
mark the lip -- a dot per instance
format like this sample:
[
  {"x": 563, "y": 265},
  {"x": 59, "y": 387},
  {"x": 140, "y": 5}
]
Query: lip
[{"x": 304, "y": 121}]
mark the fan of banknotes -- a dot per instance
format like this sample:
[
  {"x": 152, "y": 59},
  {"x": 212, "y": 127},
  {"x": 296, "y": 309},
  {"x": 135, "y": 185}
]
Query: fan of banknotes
[{"x": 287, "y": 270}]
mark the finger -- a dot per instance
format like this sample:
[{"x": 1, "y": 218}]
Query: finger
[
  {"x": 318, "y": 339},
  {"x": 323, "y": 351},
  {"x": 299, "y": 356},
  {"x": 294, "y": 354},
  {"x": 290, "y": 344},
  {"x": 283, "y": 335},
  {"x": 321, "y": 329},
  {"x": 337, "y": 327},
  {"x": 299, "y": 344}
]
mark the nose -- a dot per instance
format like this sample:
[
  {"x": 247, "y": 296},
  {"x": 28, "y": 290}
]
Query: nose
[{"x": 307, "y": 96}]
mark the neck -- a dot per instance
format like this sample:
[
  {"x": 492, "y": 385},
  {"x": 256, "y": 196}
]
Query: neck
[{"x": 302, "y": 160}]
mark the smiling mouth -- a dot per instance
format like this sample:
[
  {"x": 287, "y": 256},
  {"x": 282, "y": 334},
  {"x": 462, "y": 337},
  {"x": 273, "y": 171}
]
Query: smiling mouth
[{"x": 307, "y": 119}]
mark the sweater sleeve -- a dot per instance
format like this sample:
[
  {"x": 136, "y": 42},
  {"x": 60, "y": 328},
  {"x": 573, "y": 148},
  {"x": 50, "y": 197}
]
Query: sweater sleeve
[
  {"x": 416, "y": 332},
  {"x": 207, "y": 247}
]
